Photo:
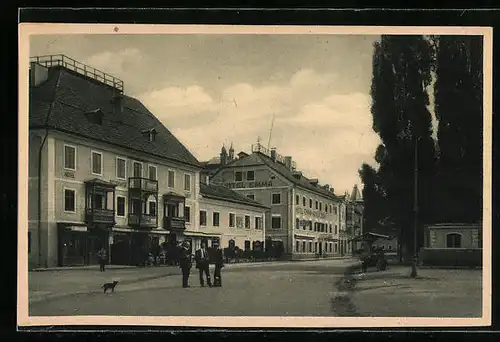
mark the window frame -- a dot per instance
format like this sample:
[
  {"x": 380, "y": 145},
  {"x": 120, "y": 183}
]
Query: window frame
[
  {"x": 229, "y": 219},
  {"x": 133, "y": 168},
  {"x": 235, "y": 173},
  {"x": 74, "y": 200},
  {"x": 218, "y": 219},
  {"x": 273, "y": 216},
  {"x": 124, "y": 166},
  {"x": 92, "y": 152},
  {"x": 149, "y": 208},
  {"x": 258, "y": 219},
  {"x": 124, "y": 206},
  {"x": 184, "y": 213},
  {"x": 249, "y": 222},
  {"x": 206, "y": 218},
  {"x": 297, "y": 200},
  {"x": 156, "y": 171},
  {"x": 168, "y": 179},
  {"x": 272, "y": 198},
  {"x": 246, "y": 175},
  {"x": 252, "y": 198},
  {"x": 186, "y": 177},
  {"x": 64, "y": 157},
  {"x": 304, "y": 201},
  {"x": 454, "y": 234}
]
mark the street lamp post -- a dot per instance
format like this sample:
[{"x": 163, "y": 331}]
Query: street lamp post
[{"x": 415, "y": 209}]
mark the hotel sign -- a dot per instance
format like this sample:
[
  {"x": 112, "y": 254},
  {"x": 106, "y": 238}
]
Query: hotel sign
[
  {"x": 306, "y": 211},
  {"x": 243, "y": 185}
]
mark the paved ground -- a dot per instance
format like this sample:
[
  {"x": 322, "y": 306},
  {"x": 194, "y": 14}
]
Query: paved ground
[
  {"x": 435, "y": 292},
  {"x": 281, "y": 288}
]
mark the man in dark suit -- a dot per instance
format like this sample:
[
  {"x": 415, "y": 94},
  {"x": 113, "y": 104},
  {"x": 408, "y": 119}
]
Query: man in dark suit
[
  {"x": 202, "y": 263},
  {"x": 219, "y": 263},
  {"x": 185, "y": 263}
]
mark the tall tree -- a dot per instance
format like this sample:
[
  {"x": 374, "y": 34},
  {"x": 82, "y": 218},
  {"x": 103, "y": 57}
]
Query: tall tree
[
  {"x": 458, "y": 95},
  {"x": 401, "y": 75}
]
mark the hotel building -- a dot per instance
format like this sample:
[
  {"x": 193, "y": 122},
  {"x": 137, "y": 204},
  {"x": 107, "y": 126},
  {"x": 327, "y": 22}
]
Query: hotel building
[{"x": 305, "y": 219}]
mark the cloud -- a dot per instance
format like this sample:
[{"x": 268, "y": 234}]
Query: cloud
[{"x": 327, "y": 132}]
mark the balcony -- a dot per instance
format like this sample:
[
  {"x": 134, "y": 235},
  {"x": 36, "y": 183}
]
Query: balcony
[
  {"x": 143, "y": 184},
  {"x": 104, "y": 216},
  {"x": 143, "y": 220},
  {"x": 174, "y": 223}
]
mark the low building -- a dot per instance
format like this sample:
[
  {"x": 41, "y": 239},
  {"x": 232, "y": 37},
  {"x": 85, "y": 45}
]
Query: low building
[
  {"x": 230, "y": 218},
  {"x": 103, "y": 170},
  {"x": 305, "y": 218}
]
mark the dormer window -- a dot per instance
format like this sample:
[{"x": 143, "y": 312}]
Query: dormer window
[
  {"x": 95, "y": 116},
  {"x": 150, "y": 133}
]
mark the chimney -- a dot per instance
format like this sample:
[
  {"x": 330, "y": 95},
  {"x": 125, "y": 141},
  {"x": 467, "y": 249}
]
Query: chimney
[
  {"x": 117, "y": 101},
  {"x": 273, "y": 153},
  {"x": 297, "y": 174},
  {"x": 288, "y": 162},
  {"x": 327, "y": 186},
  {"x": 38, "y": 74}
]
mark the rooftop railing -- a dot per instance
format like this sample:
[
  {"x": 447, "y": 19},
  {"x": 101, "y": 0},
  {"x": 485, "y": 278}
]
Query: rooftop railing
[{"x": 80, "y": 68}]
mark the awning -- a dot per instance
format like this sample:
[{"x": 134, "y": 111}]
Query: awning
[
  {"x": 201, "y": 234},
  {"x": 310, "y": 237},
  {"x": 370, "y": 237}
]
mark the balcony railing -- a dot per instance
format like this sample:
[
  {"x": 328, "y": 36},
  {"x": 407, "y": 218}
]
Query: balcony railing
[
  {"x": 143, "y": 184},
  {"x": 94, "y": 215},
  {"x": 174, "y": 223},
  {"x": 142, "y": 220}
]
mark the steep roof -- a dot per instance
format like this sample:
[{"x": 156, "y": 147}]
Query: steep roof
[
  {"x": 356, "y": 194},
  {"x": 61, "y": 103},
  {"x": 301, "y": 181},
  {"x": 225, "y": 194}
]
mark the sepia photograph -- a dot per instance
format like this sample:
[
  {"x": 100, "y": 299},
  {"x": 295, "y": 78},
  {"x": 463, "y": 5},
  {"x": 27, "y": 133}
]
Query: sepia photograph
[{"x": 242, "y": 175}]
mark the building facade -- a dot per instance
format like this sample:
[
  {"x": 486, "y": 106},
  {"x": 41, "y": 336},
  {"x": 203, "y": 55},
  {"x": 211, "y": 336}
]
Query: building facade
[
  {"x": 305, "y": 219},
  {"x": 230, "y": 218},
  {"x": 103, "y": 171}
]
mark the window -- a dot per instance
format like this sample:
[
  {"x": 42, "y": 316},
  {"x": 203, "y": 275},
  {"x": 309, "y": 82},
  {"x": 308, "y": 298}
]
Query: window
[
  {"x": 231, "y": 220},
  {"x": 29, "y": 242},
  {"x": 326, "y": 208},
  {"x": 315, "y": 246},
  {"x": 171, "y": 179},
  {"x": 297, "y": 224},
  {"x": 152, "y": 172},
  {"x": 276, "y": 199},
  {"x": 247, "y": 245},
  {"x": 97, "y": 201},
  {"x": 238, "y": 176},
  {"x": 203, "y": 218},
  {"x": 258, "y": 223},
  {"x": 69, "y": 200},
  {"x": 120, "y": 206},
  {"x": 69, "y": 157},
  {"x": 330, "y": 228},
  {"x": 316, "y": 205},
  {"x": 320, "y": 206},
  {"x": 303, "y": 246},
  {"x": 250, "y": 175},
  {"x": 336, "y": 248},
  {"x": 310, "y": 225},
  {"x": 330, "y": 208},
  {"x": 453, "y": 240},
  {"x": 187, "y": 182},
  {"x": 247, "y": 222},
  {"x": 215, "y": 219},
  {"x": 137, "y": 168},
  {"x": 310, "y": 246},
  {"x": 239, "y": 221},
  {"x": 336, "y": 229},
  {"x": 335, "y": 210},
  {"x": 152, "y": 208},
  {"x": 310, "y": 203},
  {"x": 187, "y": 214},
  {"x": 297, "y": 199},
  {"x": 251, "y": 196},
  {"x": 276, "y": 222},
  {"x": 121, "y": 172},
  {"x": 96, "y": 162},
  {"x": 297, "y": 246},
  {"x": 303, "y": 201}
]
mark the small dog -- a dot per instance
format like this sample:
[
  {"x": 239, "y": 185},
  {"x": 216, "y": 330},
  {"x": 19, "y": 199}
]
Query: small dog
[{"x": 108, "y": 286}]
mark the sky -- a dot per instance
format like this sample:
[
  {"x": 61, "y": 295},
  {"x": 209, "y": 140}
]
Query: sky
[{"x": 210, "y": 90}]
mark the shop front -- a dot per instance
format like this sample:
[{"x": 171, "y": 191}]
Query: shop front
[{"x": 78, "y": 245}]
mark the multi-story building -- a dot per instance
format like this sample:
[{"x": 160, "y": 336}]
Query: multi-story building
[
  {"x": 354, "y": 216},
  {"x": 305, "y": 219},
  {"x": 103, "y": 170},
  {"x": 230, "y": 218}
]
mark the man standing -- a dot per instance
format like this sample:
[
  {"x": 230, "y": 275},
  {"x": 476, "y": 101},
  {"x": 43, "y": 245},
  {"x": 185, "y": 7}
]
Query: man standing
[
  {"x": 202, "y": 263},
  {"x": 219, "y": 263},
  {"x": 101, "y": 254},
  {"x": 185, "y": 263}
]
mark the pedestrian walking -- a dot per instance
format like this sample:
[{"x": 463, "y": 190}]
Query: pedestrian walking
[
  {"x": 202, "y": 264},
  {"x": 219, "y": 263},
  {"x": 185, "y": 263},
  {"x": 101, "y": 254}
]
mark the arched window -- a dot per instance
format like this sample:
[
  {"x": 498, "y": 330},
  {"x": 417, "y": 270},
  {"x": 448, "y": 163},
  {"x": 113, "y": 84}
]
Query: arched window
[{"x": 453, "y": 240}]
